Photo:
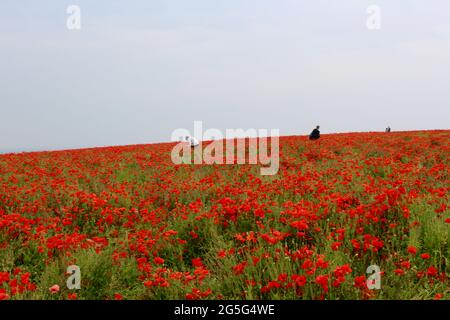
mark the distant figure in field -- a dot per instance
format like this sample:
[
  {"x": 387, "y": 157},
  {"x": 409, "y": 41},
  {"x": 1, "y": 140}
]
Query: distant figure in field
[
  {"x": 315, "y": 134},
  {"x": 193, "y": 142},
  {"x": 388, "y": 129}
]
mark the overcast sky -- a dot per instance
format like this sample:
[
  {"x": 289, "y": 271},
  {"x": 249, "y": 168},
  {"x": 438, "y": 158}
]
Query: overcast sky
[{"x": 139, "y": 69}]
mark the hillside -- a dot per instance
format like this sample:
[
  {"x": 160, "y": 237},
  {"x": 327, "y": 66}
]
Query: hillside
[{"x": 140, "y": 227}]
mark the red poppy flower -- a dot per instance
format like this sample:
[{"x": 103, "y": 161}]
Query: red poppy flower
[
  {"x": 399, "y": 272},
  {"x": 239, "y": 268},
  {"x": 299, "y": 280},
  {"x": 54, "y": 289},
  {"x": 425, "y": 256},
  {"x": 432, "y": 271},
  {"x": 72, "y": 296},
  {"x": 197, "y": 262}
]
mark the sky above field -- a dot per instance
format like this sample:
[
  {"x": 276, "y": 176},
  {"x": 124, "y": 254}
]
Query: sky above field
[{"x": 137, "y": 70}]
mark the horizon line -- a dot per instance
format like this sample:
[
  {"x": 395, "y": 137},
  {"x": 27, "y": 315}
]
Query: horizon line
[{"x": 10, "y": 151}]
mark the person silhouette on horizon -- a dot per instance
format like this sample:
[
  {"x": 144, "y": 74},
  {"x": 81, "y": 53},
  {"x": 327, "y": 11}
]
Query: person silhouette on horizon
[{"x": 315, "y": 134}]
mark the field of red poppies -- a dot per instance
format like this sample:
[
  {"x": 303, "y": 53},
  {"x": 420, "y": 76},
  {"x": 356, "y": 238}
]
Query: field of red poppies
[{"x": 140, "y": 227}]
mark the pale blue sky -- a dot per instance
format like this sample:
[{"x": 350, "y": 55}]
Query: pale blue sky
[{"x": 137, "y": 70}]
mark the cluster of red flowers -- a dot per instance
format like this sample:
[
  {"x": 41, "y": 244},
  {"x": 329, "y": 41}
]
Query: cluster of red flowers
[
  {"x": 336, "y": 206},
  {"x": 17, "y": 282}
]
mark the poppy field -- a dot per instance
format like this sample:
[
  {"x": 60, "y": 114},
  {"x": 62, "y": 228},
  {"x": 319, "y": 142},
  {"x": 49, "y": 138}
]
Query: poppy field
[{"x": 140, "y": 227}]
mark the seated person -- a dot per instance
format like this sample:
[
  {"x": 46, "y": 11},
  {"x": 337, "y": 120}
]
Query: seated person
[{"x": 315, "y": 134}]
